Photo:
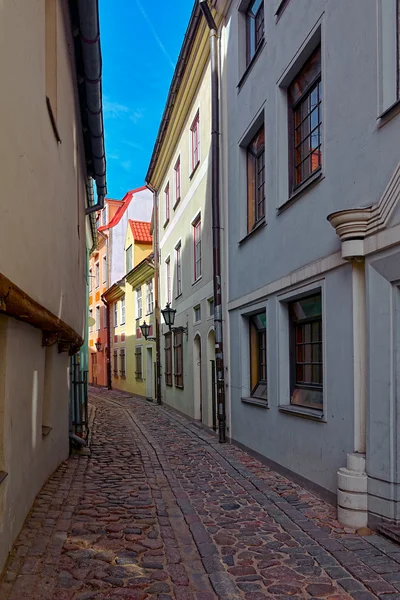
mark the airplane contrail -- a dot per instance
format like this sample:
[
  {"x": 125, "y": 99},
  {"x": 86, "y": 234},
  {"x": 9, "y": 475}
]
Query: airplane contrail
[{"x": 154, "y": 32}]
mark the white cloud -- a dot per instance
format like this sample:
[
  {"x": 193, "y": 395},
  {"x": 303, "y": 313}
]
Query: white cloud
[
  {"x": 126, "y": 164},
  {"x": 114, "y": 110}
]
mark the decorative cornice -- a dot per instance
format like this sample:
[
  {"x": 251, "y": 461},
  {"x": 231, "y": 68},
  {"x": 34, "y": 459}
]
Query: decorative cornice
[{"x": 355, "y": 224}]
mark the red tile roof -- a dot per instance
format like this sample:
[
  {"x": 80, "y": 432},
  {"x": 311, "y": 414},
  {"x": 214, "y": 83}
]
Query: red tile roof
[
  {"x": 141, "y": 231},
  {"x": 126, "y": 200}
]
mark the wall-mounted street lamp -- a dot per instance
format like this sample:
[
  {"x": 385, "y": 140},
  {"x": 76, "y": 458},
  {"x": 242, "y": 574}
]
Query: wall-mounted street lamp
[
  {"x": 99, "y": 346},
  {"x": 145, "y": 329},
  {"x": 169, "y": 318}
]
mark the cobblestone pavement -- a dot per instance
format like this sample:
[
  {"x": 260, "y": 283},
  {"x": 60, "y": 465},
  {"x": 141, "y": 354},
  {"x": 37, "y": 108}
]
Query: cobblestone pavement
[{"x": 160, "y": 510}]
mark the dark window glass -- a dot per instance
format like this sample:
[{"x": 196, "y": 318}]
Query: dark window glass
[
  {"x": 178, "y": 359},
  {"x": 168, "y": 359},
  {"x": 305, "y": 99},
  {"x": 115, "y": 356},
  {"x": 306, "y": 354},
  {"x": 255, "y": 27},
  {"x": 256, "y": 179},
  {"x": 138, "y": 363},
  {"x": 258, "y": 356}
]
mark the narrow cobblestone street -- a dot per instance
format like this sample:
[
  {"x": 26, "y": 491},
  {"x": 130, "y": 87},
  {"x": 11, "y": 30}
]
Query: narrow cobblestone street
[{"x": 158, "y": 509}]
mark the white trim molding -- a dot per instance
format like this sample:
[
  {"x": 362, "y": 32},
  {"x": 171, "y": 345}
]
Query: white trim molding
[{"x": 355, "y": 224}]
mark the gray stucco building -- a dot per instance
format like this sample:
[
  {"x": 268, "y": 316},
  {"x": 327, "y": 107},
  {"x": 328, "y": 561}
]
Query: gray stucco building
[{"x": 311, "y": 130}]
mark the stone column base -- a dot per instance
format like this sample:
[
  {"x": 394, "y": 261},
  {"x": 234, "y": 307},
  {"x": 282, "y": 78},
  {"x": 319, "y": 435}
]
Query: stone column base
[{"x": 352, "y": 492}]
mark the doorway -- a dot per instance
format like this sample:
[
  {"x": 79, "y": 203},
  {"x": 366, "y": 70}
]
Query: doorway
[
  {"x": 94, "y": 368},
  {"x": 149, "y": 373},
  {"x": 197, "y": 383}
]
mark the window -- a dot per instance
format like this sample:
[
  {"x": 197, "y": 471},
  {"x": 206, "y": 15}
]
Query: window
[
  {"x": 105, "y": 324},
  {"x": 122, "y": 361},
  {"x": 97, "y": 274},
  {"x": 178, "y": 269},
  {"x": 195, "y": 141},
  {"x": 104, "y": 216},
  {"x": 90, "y": 280},
  {"x": 139, "y": 303},
  {"x": 115, "y": 314},
  {"x": 138, "y": 362},
  {"x": 178, "y": 359},
  {"x": 389, "y": 53},
  {"x": 123, "y": 310},
  {"x": 115, "y": 367},
  {"x": 256, "y": 180},
  {"x": 168, "y": 359},
  {"x": 306, "y": 352},
  {"x": 90, "y": 320},
  {"x": 105, "y": 278},
  {"x": 305, "y": 110},
  {"x": 211, "y": 307},
  {"x": 149, "y": 297},
  {"x": 177, "y": 170},
  {"x": 197, "y": 313},
  {"x": 128, "y": 257},
  {"x": 197, "y": 248},
  {"x": 166, "y": 200},
  {"x": 258, "y": 356},
  {"x": 254, "y": 28},
  {"x": 97, "y": 318},
  {"x": 168, "y": 278}
]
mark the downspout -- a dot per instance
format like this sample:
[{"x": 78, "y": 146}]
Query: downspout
[
  {"x": 216, "y": 226},
  {"x": 350, "y": 226},
  {"x": 106, "y": 304},
  {"x": 156, "y": 291},
  {"x": 89, "y": 32}
]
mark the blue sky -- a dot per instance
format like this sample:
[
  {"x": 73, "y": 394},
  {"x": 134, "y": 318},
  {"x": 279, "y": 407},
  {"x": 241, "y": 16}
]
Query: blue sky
[{"x": 140, "y": 45}]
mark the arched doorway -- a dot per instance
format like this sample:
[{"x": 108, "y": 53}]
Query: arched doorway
[
  {"x": 197, "y": 384},
  {"x": 211, "y": 385}
]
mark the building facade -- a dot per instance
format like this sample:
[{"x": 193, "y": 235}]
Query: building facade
[
  {"x": 131, "y": 303},
  {"x": 106, "y": 267},
  {"x": 46, "y": 172},
  {"x": 180, "y": 173},
  {"x": 310, "y": 135}
]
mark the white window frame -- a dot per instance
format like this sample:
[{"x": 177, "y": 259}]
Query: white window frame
[
  {"x": 209, "y": 301},
  {"x": 149, "y": 297},
  {"x": 105, "y": 273},
  {"x": 178, "y": 246},
  {"x": 139, "y": 302},
  {"x": 168, "y": 290},
  {"x": 388, "y": 56},
  {"x": 283, "y": 350},
  {"x": 90, "y": 280},
  {"x": 122, "y": 308},
  {"x": 191, "y": 153},
  {"x": 98, "y": 318},
  {"x": 194, "y": 222},
  {"x": 116, "y": 313},
  {"x": 97, "y": 274},
  {"x": 197, "y": 307},
  {"x": 90, "y": 317},
  {"x": 130, "y": 247},
  {"x": 178, "y": 163}
]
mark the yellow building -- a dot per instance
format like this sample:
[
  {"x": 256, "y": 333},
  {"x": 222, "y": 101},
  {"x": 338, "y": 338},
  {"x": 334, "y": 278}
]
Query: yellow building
[
  {"x": 131, "y": 301},
  {"x": 180, "y": 172}
]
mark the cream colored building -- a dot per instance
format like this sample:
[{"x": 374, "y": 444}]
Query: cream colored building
[
  {"x": 180, "y": 173},
  {"x": 44, "y": 238}
]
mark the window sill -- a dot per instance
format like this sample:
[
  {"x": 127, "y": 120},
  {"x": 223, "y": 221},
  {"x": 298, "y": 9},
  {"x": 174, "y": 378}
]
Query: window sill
[
  {"x": 262, "y": 223},
  {"x": 255, "y": 402},
  {"x": 304, "y": 413},
  {"x": 178, "y": 296},
  {"x": 279, "y": 11},
  {"x": 389, "y": 114},
  {"x": 138, "y": 378},
  {"x": 3, "y": 475},
  {"x": 194, "y": 170},
  {"x": 176, "y": 203},
  {"x": 197, "y": 280},
  {"x": 302, "y": 189},
  {"x": 166, "y": 223},
  {"x": 46, "y": 430},
  {"x": 179, "y": 387},
  {"x": 249, "y": 67}
]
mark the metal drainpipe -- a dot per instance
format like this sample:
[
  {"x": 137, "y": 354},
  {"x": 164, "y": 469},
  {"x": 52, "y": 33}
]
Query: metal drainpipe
[
  {"x": 156, "y": 292},
  {"x": 216, "y": 226}
]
